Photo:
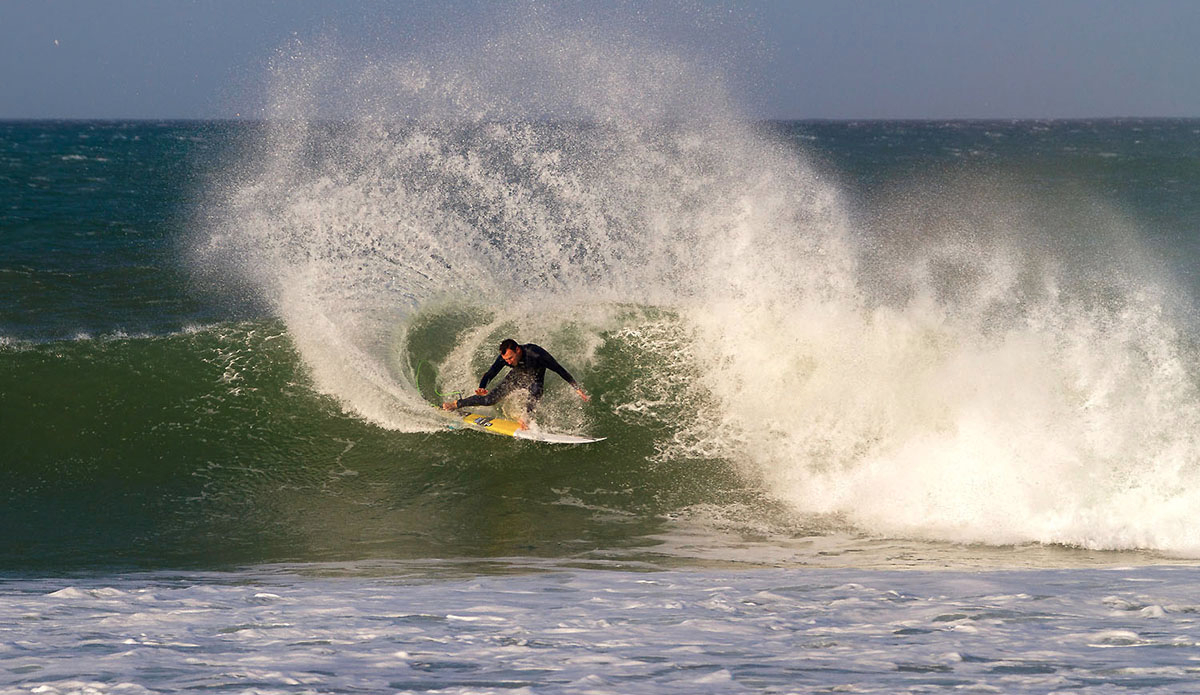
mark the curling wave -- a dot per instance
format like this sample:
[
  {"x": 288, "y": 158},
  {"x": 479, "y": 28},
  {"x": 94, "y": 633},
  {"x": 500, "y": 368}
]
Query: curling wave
[{"x": 970, "y": 361}]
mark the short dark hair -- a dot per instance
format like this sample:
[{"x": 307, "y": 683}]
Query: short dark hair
[{"x": 509, "y": 344}]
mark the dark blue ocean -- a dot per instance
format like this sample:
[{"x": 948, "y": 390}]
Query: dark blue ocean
[{"x": 889, "y": 406}]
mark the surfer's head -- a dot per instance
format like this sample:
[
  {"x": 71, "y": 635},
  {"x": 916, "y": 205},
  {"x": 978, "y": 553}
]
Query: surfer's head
[{"x": 510, "y": 352}]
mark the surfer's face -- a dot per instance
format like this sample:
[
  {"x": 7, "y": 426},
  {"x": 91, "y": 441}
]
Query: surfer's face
[{"x": 510, "y": 357}]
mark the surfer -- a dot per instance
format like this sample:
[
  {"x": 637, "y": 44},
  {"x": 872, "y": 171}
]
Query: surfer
[{"x": 527, "y": 370}]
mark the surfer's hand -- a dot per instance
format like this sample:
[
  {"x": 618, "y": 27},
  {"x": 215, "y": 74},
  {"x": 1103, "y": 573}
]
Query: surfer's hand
[
  {"x": 480, "y": 392},
  {"x": 583, "y": 395}
]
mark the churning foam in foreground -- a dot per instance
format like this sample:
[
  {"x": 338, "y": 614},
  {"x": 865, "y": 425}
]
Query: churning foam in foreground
[{"x": 964, "y": 387}]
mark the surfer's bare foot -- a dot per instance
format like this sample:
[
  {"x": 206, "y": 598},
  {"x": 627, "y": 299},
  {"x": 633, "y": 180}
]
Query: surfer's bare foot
[
  {"x": 449, "y": 405},
  {"x": 523, "y": 424}
]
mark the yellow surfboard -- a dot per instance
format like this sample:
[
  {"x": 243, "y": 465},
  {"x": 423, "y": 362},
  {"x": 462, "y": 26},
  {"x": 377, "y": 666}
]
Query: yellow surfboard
[{"x": 512, "y": 428}]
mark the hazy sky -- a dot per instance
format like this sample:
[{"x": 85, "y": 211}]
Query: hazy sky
[{"x": 801, "y": 59}]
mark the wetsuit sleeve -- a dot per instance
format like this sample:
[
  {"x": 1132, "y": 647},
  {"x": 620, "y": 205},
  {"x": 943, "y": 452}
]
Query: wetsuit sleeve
[
  {"x": 492, "y": 372},
  {"x": 553, "y": 365}
]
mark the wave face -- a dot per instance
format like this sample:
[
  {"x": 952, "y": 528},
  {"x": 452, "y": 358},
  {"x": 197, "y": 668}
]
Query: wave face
[{"x": 209, "y": 448}]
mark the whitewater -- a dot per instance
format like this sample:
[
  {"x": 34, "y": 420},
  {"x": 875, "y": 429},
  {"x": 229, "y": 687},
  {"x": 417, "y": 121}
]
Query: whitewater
[{"x": 608, "y": 631}]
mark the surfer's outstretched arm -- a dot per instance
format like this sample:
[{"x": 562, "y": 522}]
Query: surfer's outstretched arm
[
  {"x": 545, "y": 359},
  {"x": 553, "y": 365},
  {"x": 491, "y": 373}
]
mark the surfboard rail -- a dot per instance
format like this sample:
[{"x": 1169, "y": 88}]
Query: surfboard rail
[{"x": 512, "y": 428}]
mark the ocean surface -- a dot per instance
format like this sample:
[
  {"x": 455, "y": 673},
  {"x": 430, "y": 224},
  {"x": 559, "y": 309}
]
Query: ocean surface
[{"x": 889, "y": 406}]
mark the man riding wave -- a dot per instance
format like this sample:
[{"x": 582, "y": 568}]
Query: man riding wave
[{"x": 527, "y": 371}]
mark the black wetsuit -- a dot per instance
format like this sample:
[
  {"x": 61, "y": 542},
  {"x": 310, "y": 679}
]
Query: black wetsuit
[{"x": 529, "y": 373}]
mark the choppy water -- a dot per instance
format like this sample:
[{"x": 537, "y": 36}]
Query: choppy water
[{"x": 887, "y": 404}]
